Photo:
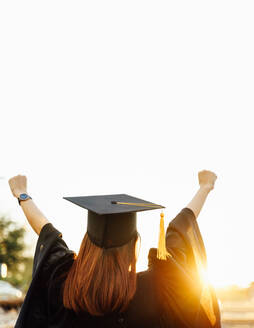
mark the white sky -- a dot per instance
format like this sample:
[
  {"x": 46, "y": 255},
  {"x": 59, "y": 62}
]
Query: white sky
[{"x": 101, "y": 97}]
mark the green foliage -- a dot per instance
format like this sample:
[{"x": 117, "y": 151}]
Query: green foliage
[{"x": 12, "y": 248}]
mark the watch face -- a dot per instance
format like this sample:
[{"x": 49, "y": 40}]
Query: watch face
[{"x": 23, "y": 196}]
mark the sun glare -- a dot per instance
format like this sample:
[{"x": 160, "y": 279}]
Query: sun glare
[{"x": 222, "y": 279}]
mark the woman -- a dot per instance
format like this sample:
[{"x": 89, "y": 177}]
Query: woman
[{"x": 99, "y": 287}]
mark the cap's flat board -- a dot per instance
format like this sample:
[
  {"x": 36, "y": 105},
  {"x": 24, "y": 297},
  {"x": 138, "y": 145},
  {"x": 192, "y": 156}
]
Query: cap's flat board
[{"x": 103, "y": 204}]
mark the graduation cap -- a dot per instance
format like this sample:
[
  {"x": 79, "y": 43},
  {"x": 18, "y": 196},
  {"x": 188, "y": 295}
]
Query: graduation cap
[{"x": 112, "y": 218}]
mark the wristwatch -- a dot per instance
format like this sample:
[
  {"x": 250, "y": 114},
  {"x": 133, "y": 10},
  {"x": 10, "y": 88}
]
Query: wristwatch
[{"x": 23, "y": 197}]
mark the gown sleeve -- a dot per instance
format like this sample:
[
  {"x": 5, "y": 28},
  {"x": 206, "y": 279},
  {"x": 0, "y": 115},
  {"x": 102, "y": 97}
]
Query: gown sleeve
[
  {"x": 182, "y": 276},
  {"x": 184, "y": 242},
  {"x": 50, "y": 250}
]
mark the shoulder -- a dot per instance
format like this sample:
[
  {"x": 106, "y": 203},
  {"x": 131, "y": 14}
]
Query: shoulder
[
  {"x": 184, "y": 218},
  {"x": 50, "y": 249},
  {"x": 156, "y": 265}
]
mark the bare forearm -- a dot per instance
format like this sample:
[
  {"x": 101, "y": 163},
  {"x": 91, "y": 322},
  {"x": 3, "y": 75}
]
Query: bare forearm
[
  {"x": 206, "y": 182},
  {"x": 34, "y": 216},
  {"x": 198, "y": 200}
]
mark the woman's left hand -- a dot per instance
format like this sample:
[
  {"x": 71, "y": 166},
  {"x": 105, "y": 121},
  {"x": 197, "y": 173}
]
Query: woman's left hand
[
  {"x": 207, "y": 179},
  {"x": 18, "y": 185}
]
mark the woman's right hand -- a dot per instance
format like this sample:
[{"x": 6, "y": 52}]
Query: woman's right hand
[{"x": 207, "y": 179}]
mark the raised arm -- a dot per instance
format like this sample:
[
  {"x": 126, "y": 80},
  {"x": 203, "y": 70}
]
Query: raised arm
[
  {"x": 185, "y": 244},
  {"x": 35, "y": 217},
  {"x": 206, "y": 182},
  {"x": 183, "y": 232}
]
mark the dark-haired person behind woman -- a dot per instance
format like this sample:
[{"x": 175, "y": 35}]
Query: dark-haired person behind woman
[{"x": 100, "y": 288}]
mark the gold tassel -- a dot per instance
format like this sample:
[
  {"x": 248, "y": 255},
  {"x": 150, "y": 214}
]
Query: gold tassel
[{"x": 162, "y": 252}]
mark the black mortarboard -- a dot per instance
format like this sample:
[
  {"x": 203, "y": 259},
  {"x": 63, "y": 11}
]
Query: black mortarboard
[{"x": 112, "y": 218}]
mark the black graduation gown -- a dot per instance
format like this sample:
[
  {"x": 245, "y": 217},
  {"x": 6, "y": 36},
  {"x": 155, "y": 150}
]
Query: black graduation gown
[{"x": 169, "y": 294}]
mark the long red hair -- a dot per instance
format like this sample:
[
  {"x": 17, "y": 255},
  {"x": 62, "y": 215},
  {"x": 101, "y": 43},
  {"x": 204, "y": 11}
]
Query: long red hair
[{"x": 101, "y": 280}]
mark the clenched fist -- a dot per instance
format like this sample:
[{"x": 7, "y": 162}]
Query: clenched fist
[
  {"x": 207, "y": 179},
  {"x": 18, "y": 185}
]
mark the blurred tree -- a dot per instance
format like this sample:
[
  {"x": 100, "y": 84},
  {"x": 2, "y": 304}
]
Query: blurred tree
[{"x": 12, "y": 248}]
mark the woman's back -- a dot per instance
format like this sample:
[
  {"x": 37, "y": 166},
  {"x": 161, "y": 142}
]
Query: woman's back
[
  {"x": 167, "y": 295},
  {"x": 143, "y": 310}
]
